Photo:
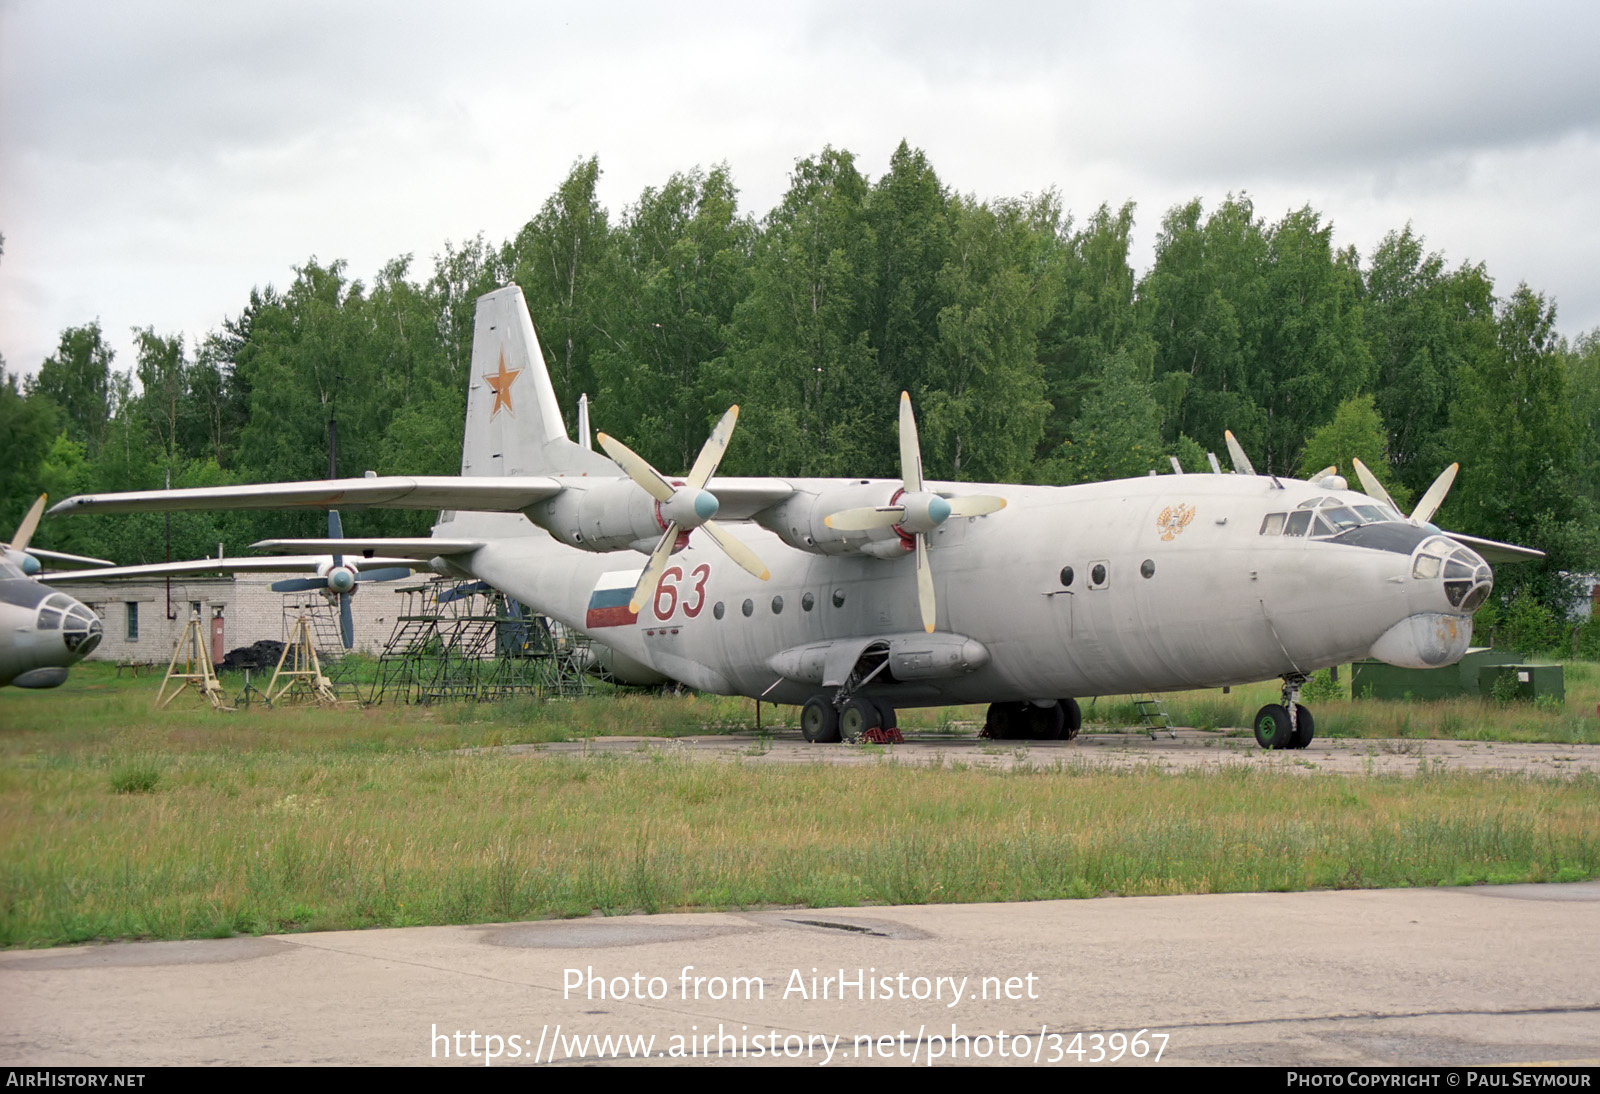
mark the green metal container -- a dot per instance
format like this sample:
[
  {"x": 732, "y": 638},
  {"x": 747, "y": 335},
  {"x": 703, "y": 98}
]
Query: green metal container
[{"x": 1377, "y": 680}]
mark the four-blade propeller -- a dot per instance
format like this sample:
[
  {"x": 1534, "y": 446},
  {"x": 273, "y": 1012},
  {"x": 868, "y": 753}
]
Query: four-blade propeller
[
  {"x": 340, "y": 580},
  {"x": 914, "y": 512},
  {"x": 683, "y": 507}
]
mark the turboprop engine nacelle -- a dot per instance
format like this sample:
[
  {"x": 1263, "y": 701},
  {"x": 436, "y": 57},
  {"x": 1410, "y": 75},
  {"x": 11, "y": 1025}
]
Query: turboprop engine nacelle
[
  {"x": 607, "y": 515},
  {"x": 801, "y": 521}
]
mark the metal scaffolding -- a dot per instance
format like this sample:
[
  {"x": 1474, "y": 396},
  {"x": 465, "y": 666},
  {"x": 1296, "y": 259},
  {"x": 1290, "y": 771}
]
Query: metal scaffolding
[{"x": 457, "y": 641}]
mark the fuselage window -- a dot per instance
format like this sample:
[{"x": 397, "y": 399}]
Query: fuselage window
[
  {"x": 1299, "y": 521},
  {"x": 777, "y": 605},
  {"x": 1098, "y": 576},
  {"x": 748, "y": 608},
  {"x": 808, "y": 602},
  {"x": 719, "y": 610},
  {"x": 1148, "y": 567},
  {"x": 1272, "y": 525},
  {"x": 1066, "y": 576},
  {"x": 838, "y": 598}
]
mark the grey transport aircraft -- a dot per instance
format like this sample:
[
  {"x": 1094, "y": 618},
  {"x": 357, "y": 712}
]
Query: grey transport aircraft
[
  {"x": 855, "y": 597},
  {"x": 43, "y": 631}
]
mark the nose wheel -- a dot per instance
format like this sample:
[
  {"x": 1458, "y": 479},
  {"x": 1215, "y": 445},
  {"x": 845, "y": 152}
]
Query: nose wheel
[{"x": 1287, "y": 724}]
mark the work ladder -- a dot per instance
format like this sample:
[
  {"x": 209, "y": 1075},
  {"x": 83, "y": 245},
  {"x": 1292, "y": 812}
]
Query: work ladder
[{"x": 1154, "y": 714}]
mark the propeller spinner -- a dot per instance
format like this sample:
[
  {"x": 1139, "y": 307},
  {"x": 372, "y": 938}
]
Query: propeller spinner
[
  {"x": 914, "y": 512},
  {"x": 683, "y": 507}
]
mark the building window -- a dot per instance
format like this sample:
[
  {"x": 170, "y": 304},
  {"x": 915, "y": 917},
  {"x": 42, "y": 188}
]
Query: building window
[{"x": 133, "y": 621}]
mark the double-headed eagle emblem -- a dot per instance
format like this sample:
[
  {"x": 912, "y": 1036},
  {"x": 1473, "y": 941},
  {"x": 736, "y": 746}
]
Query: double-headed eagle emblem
[{"x": 1173, "y": 520}]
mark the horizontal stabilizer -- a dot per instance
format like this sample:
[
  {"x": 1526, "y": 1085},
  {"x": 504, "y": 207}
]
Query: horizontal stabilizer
[{"x": 1494, "y": 551}]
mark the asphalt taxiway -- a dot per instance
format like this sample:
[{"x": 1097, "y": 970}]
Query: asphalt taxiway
[{"x": 1450, "y": 976}]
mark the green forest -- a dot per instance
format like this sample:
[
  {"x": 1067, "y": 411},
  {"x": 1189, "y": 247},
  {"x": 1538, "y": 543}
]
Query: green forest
[{"x": 1031, "y": 349}]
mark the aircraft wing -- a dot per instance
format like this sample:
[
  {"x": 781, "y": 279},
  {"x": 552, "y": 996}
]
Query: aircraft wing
[
  {"x": 418, "y": 548},
  {"x": 741, "y": 499},
  {"x": 287, "y": 564},
  {"x": 507, "y": 494},
  {"x": 1493, "y": 550},
  {"x": 63, "y": 557}
]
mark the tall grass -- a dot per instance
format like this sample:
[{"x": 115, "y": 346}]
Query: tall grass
[
  {"x": 117, "y": 821},
  {"x": 259, "y": 842}
]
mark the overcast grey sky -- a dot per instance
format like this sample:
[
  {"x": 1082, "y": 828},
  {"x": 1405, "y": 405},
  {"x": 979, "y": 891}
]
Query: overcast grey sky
[{"x": 158, "y": 159}]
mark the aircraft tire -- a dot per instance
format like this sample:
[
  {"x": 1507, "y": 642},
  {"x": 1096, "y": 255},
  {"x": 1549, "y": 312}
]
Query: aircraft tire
[
  {"x": 1305, "y": 728},
  {"x": 859, "y": 715},
  {"x": 887, "y": 718},
  {"x": 1000, "y": 723},
  {"x": 1272, "y": 726},
  {"x": 1073, "y": 721},
  {"x": 1044, "y": 723},
  {"x": 819, "y": 722}
]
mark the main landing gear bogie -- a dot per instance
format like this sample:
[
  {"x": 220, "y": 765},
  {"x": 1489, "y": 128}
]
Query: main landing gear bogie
[
  {"x": 1026, "y": 721},
  {"x": 823, "y": 723}
]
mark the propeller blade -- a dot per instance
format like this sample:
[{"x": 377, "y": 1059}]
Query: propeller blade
[
  {"x": 1331, "y": 469},
  {"x": 705, "y": 465},
  {"x": 925, "y": 585},
  {"x": 910, "y": 449},
  {"x": 736, "y": 550},
  {"x": 347, "y": 622},
  {"x": 299, "y": 584},
  {"x": 637, "y": 468},
  {"x": 864, "y": 520},
  {"x": 25, "y": 530},
  {"x": 975, "y": 505},
  {"x": 1435, "y": 496},
  {"x": 387, "y": 573},
  {"x": 652, "y": 571},
  {"x": 1374, "y": 488},
  {"x": 336, "y": 531},
  {"x": 1241, "y": 462}
]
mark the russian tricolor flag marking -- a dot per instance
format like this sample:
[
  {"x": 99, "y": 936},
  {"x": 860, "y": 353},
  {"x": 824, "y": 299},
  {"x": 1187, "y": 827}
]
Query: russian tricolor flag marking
[{"x": 608, "y": 604}]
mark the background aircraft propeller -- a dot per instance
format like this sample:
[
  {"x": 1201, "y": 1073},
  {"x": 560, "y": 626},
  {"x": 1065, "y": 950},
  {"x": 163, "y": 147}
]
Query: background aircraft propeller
[
  {"x": 28, "y": 558},
  {"x": 340, "y": 580},
  {"x": 683, "y": 508},
  {"x": 914, "y": 512}
]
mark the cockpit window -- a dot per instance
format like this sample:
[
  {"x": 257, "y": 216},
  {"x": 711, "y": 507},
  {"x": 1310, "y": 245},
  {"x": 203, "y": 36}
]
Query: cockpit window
[
  {"x": 1325, "y": 517},
  {"x": 1341, "y": 518}
]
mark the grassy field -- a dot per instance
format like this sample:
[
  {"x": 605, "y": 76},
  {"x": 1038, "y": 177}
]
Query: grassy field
[{"x": 119, "y": 822}]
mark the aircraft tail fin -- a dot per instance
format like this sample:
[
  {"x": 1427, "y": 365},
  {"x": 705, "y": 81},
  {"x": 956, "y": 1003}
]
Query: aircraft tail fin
[{"x": 514, "y": 424}]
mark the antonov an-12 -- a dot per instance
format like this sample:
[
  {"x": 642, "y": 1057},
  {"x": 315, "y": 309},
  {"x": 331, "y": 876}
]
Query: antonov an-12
[{"x": 854, "y": 597}]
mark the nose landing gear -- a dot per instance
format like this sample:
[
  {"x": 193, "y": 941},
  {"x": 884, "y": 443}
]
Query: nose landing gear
[{"x": 1286, "y": 724}]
